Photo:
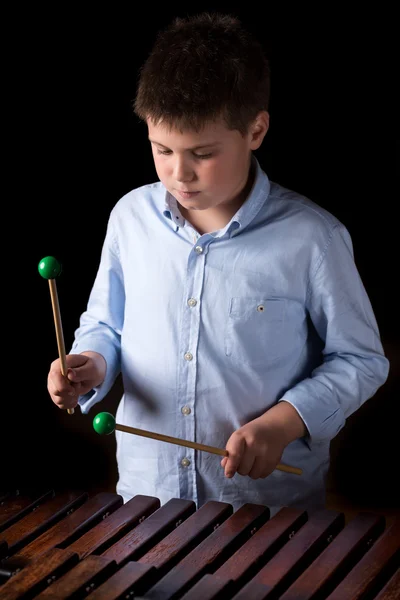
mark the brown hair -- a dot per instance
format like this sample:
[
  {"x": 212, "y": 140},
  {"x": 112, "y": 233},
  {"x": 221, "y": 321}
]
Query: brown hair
[{"x": 201, "y": 68}]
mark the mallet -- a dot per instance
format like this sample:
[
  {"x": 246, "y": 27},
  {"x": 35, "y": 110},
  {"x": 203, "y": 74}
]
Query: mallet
[
  {"x": 104, "y": 424},
  {"x": 49, "y": 268}
]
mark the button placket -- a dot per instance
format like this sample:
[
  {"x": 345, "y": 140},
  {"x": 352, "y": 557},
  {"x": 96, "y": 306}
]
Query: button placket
[{"x": 188, "y": 370}]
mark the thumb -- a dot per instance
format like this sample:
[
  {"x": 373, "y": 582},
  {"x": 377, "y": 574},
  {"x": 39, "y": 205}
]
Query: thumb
[
  {"x": 77, "y": 367},
  {"x": 76, "y": 360}
]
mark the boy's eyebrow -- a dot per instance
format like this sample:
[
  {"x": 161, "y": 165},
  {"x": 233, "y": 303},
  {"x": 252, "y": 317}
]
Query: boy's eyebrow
[{"x": 194, "y": 147}]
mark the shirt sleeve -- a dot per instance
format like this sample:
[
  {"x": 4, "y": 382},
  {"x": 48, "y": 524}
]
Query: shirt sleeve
[
  {"x": 101, "y": 324},
  {"x": 354, "y": 365}
]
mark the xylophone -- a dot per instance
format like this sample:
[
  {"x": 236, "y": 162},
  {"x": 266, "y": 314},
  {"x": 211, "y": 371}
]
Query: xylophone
[{"x": 57, "y": 544}]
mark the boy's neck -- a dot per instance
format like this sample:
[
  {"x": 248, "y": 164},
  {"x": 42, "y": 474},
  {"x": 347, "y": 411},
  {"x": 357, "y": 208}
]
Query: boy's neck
[{"x": 213, "y": 219}]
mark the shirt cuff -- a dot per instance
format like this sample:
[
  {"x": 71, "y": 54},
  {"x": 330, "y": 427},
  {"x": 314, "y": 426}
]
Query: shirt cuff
[
  {"x": 322, "y": 418},
  {"x": 112, "y": 358}
]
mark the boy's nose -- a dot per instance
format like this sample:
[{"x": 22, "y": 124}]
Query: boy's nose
[{"x": 182, "y": 171}]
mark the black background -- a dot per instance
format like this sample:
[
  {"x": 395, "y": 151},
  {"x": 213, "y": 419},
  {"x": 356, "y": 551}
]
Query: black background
[{"x": 72, "y": 147}]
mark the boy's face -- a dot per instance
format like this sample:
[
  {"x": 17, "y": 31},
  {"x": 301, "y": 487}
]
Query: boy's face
[{"x": 207, "y": 169}]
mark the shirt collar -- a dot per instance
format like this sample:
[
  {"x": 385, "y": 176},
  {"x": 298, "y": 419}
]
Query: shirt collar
[
  {"x": 171, "y": 211},
  {"x": 246, "y": 213}
]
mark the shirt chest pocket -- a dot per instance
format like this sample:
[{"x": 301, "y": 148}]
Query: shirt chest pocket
[{"x": 254, "y": 330}]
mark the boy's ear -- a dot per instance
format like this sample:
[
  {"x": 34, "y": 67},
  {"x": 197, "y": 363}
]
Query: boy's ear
[{"x": 258, "y": 129}]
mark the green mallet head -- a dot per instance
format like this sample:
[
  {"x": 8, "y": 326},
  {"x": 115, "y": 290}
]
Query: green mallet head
[
  {"x": 104, "y": 423},
  {"x": 49, "y": 267}
]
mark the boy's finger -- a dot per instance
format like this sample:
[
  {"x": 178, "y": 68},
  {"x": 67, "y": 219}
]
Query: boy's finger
[
  {"x": 71, "y": 375},
  {"x": 235, "y": 448},
  {"x": 246, "y": 463},
  {"x": 258, "y": 469},
  {"x": 79, "y": 374},
  {"x": 58, "y": 384},
  {"x": 76, "y": 360}
]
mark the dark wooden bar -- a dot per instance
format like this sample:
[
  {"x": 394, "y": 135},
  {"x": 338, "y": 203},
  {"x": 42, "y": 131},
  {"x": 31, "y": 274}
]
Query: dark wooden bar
[
  {"x": 262, "y": 546},
  {"x": 391, "y": 590},
  {"x": 210, "y": 587},
  {"x": 3, "y": 549},
  {"x": 131, "y": 578},
  {"x": 329, "y": 568},
  {"x": 166, "y": 553},
  {"x": 73, "y": 525},
  {"x": 15, "y": 505},
  {"x": 39, "y": 574},
  {"x": 152, "y": 530},
  {"x": 211, "y": 553},
  {"x": 250, "y": 557},
  {"x": 294, "y": 557},
  {"x": 374, "y": 569},
  {"x": 45, "y": 516},
  {"x": 109, "y": 530},
  {"x": 87, "y": 575}
]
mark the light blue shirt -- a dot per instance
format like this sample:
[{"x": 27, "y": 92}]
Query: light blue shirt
[{"x": 210, "y": 331}]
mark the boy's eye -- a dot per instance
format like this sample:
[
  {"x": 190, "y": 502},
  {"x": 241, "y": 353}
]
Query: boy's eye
[{"x": 202, "y": 155}]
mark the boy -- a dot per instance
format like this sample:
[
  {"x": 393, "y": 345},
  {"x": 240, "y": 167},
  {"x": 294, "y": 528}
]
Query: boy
[{"x": 232, "y": 306}]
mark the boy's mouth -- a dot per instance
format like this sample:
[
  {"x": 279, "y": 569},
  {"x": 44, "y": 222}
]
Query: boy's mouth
[{"x": 187, "y": 195}]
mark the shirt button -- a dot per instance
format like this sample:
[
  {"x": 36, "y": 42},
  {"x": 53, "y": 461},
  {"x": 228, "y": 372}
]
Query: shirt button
[
  {"x": 192, "y": 302},
  {"x": 188, "y": 356},
  {"x": 198, "y": 249},
  {"x": 185, "y": 462},
  {"x": 186, "y": 410}
]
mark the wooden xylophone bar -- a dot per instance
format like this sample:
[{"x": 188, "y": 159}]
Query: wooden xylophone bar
[{"x": 56, "y": 545}]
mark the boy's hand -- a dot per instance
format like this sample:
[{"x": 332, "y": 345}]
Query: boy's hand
[
  {"x": 85, "y": 371},
  {"x": 256, "y": 448}
]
